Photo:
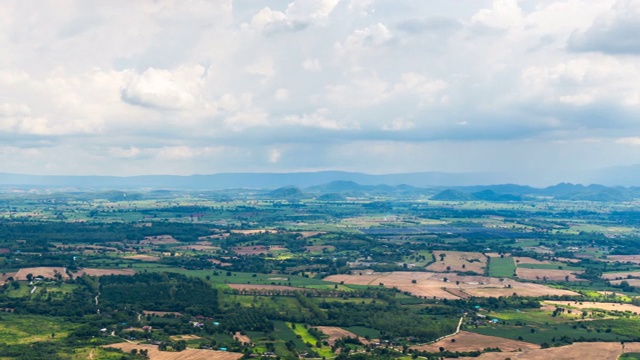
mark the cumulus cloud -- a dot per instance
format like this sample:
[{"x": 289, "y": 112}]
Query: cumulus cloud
[
  {"x": 297, "y": 16},
  {"x": 133, "y": 86},
  {"x": 614, "y": 32},
  {"x": 164, "y": 89}
]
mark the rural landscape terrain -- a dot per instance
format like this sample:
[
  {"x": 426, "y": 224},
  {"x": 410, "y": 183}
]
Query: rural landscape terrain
[{"x": 336, "y": 270}]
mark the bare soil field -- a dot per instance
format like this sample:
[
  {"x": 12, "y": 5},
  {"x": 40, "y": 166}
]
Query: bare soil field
[
  {"x": 159, "y": 240},
  {"x": 207, "y": 248},
  {"x": 596, "y": 305},
  {"x": 255, "y": 231},
  {"x": 184, "y": 337},
  {"x": 495, "y": 254},
  {"x": 459, "y": 261},
  {"x": 576, "y": 351},
  {"x": 336, "y": 333},
  {"x": 218, "y": 262},
  {"x": 625, "y": 258},
  {"x": 306, "y": 234},
  {"x": 439, "y": 285},
  {"x": 263, "y": 287},
  {"x": 549, "y": 274},
  {"x": 468, "y": 341},
  {"x": 142, "y": 257},
  {"x": 632, "y": 282},
  {"x": 620, "y": 275},
  {"x": 45, "y": 272},
  {"x": 242, "y": 338},
  {"x": 188, "y": 354},
  {"x": 102, "y": 272},
  {"x": 160, "y": 313}
]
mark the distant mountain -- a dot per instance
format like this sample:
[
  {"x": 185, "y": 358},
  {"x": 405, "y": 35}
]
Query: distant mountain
[
  {"x": 489, "y": 195},
  {"x": 606, "y": 194},
  {"x": 287, "y": 192},
  {"x": 244, "y": 180},
  {"x": 453, "y": 195},
  {"x": 331, "y": 197}
]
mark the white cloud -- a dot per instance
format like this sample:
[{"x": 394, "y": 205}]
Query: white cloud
[
  {"x": 128, "y": 85},
  {"x": 502, "y": 14},
  {"x": 282, "y": 94},
  {"x": 311, "y": 65},
  {"x": 274, "y": 155},
  {"x": 318, "y": 119},
  {"x": 164, "y": 89}
]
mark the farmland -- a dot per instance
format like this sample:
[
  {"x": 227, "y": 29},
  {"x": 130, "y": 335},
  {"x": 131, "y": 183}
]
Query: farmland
[{"x": 210, "y": 275}]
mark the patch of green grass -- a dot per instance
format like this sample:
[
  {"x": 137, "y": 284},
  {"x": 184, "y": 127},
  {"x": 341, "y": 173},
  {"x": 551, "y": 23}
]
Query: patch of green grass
[
  {"x": 301, "y": 331},
  {"x": 502, "y": 267},
  {"x": 364, "y": 331},
  {"x": 22, "y": 329},
  {"x": 630, "y": 356},
  {"x": 552, "y": 266}
]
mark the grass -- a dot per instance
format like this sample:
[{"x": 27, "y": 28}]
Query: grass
[
  {"x": 310, "y": 340},
  {"x": 24, "y": 329},
  {"x": 553, "y": 266},
  {"x": 364, "y": 331},
  {"x": 630, "y": 356},
  {"x": 502, "y": 267},
  {"x": 538, "y": 326}
]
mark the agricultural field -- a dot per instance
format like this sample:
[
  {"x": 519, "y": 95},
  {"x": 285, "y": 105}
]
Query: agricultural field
[
  {"x": 187, "y": 354},
  {"x": 190, "y": 275},
  {"x": 458, "y": 261}
]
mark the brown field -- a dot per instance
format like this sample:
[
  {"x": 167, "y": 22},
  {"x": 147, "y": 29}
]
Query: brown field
[
  {"x": 102, "y": 272},
  {"x": 632, "y": 282},
  {"x": 468, "y": 341},
  {"x": 255, "y": 231},
  {"x": 495, "y": 254},
  {"x": 550, "y": 274},
  {"x": 620, "y": 275},
  {"x": 455, "y": 260},
  {"x": 576, "y": 351},
  {"x": 188, "y": 354},
  {"x": 184, "y": 337},
  {"x": 142, "y": 257},
  {"x": 160, "y": 313},
  {"x": 625, "y": 258},
  {"x": 263, "y": 287},
  {"x": 218, "y": 262},
  {"x": 45, "y": 272},
  {"x": 207, "y": 248},
  {"x": 336, "y": 333},
  {"x": 159, "y": 240},
  {"x": 430, "y": 284},
  {"x": 596, "y": 305},
  {"x": 306, "y": 234},
  {"x": 528, "y": 260},
  {"x": 244, "y": 339}
]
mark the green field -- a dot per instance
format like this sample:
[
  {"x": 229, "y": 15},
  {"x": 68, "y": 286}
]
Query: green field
[
  {"x": 23, "y": 329},
  {"x": 502, "y": 267}
]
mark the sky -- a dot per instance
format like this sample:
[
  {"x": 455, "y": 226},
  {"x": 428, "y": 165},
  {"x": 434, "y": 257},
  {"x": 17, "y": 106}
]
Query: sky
[{"x": 536, "y": 90}]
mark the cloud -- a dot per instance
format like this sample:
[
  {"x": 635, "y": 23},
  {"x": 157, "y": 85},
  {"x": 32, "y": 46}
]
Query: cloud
[
  {"x": 318, "y": 119},
  {"x": 164, "y": 89},
  {"x": 431, "y": 24},
  {"x": 503, "y": 14},
  {"x": 614, "y": 32},
  {"x": 298, "y": 15}
]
